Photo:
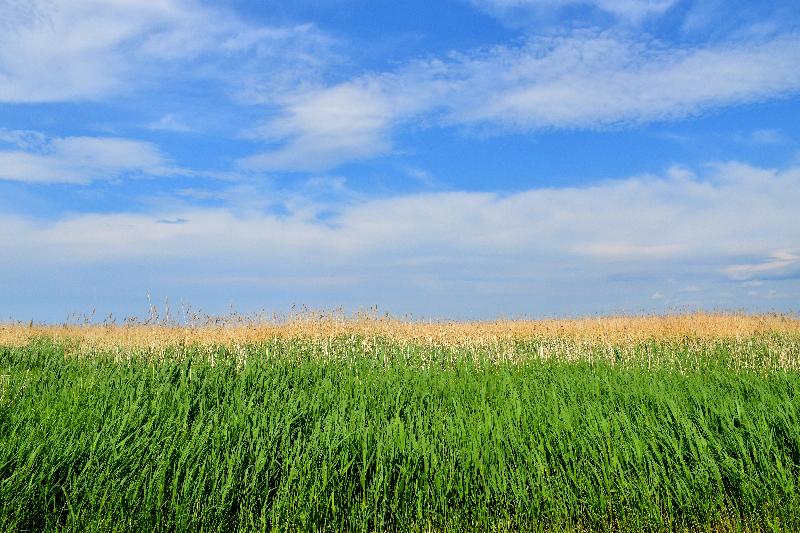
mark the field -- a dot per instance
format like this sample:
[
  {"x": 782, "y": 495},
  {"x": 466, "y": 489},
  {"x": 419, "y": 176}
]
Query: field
[{"x": 676, "y": 423}]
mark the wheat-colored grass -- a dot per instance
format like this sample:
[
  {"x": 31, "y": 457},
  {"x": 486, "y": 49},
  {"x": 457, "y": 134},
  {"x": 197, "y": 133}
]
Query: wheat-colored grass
[{"x": 613, "y": 330}]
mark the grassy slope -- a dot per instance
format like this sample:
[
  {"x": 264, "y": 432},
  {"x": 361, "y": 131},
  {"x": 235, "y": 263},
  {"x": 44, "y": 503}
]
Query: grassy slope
[{"x": 402, "y": 437}]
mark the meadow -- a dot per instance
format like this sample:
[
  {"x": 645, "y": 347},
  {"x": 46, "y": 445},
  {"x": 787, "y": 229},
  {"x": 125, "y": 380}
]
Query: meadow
[{"x": 322, "y": 423}]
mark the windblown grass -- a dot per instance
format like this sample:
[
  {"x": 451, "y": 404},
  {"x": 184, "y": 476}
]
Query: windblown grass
[
  {"x": 248, "y": 330},
  {"x": 626, "y": 424}
]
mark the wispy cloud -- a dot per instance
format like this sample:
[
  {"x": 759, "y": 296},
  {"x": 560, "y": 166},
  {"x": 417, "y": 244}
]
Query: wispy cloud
[
  {"x": 779, "y": 263},
  {"x": 767, "y": 136},
  {"x": 64, "y": 50},
  {"x": 583, "y": 80},
  {"x": 590, "y": 80},
  {"x": 39, "y": 159},
  {"x": 169, "y": 122},
  {"x": 633, "y": 10},
  {"x": 324, "y": 127}
]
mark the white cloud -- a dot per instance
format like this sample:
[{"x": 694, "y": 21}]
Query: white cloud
[
  {"x": 779, "y": 263},
  {"x": 586, "y": 249},
  {"x": 352, "y": 120},
  {"x": 76, "y": 159},
  {"x": 169, "y": 122},
  {"x": 647, "y": 221},
  {"x": 634, "y": 10},
  {"x": 62, "y": 50},
  {"x": 581, "y": 80},
  {"x": 767, "y": 136},
  {"x": 589, "y": 80},
  {"x": 349, "y": 121}
]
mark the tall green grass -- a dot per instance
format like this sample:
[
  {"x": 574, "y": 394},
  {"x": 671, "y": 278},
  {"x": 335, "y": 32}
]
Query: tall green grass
[{"x": 391, "y": 437}]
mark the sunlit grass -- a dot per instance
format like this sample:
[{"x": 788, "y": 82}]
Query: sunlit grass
[{"x": 653, "y": 423}]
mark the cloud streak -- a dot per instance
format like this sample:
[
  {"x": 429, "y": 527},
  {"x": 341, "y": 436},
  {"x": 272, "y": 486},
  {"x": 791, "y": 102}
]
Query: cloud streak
[
  {"x": 598, "y": 80},
  {"x": 582, "y": 80},
  {"x": 780, "y": 263},
  {"x": 38, "y": 159},
  {"x": 632, "y": 10},
  {"x": 77, "y": 50}
]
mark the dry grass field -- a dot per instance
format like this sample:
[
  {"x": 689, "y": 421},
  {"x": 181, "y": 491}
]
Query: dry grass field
[
  {"x": 616, "y": 339},
  {"x": 617, "y": 330}
]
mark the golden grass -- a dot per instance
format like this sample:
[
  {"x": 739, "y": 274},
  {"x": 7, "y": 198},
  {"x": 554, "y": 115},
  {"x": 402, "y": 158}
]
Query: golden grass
[{"x": 613, "y": 330}]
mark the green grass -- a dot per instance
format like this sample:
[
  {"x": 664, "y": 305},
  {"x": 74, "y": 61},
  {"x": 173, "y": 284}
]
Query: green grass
[{"x": 277, "y": 437}]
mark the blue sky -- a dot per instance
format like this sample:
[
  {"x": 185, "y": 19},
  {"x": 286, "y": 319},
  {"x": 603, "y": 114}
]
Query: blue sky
[{"x": 454, "y": 159}]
